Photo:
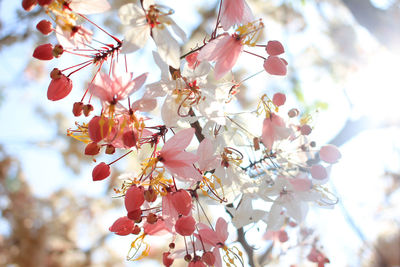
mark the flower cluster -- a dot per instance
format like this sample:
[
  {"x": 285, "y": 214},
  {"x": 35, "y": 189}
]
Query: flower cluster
[{"x": 180, "y": 175}]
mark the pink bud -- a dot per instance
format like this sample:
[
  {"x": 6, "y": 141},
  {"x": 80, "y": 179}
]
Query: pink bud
[
  {"x": 28, "y": 5},
  {"x": 122, "y": 226},
  {"x": 208, "y": 258},
  {"x": 318, "y": 172},
  {"x": 134, "y": 198},
  {"x": 45, "y": 2},
  {"x": 44, "y": 52},
  {"x": 274, "y": 48},
  {"x": 330, "y": 154},
  {"x": 59, "y": 88},
  {"x": 305, "y": 129},
  {"x": 101, "y": 172},
  {"x": 275, "y": 66},
  {"x": 182, "y": 202},
  {"x": 185, "y": 226},
  {"x": 129, "y": 138},
  {"x": 279, "y": 99},
  {"x": 92, "y": 149},
  {"x": 283, "y": 236},
  {"x": 45, "y": 27},
  {"x": 167, "y": 261},
  {"x": 98, "y": 128},
  {"x": 77, "y": 109}
]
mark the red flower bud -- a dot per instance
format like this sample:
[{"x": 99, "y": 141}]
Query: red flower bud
[
  {"x": 77, "y": 109},
  {"x": 134, "y": 198},
  {"x": 151, "y": 218},
  {"x": 274, "y": 48},
  {"x": 101, "y": 172},
  {"x": 185, "y": 226},
  {"x": 55, "y": 74},
  {"x": 98, "y": 128},
  {"x": 110, "y": 149},
  {"x": 44, "y": 52},
  {"x": 28, "y": 5},
  {"x": 122, "y": 226},
  {"x": 167, "y": 261},
  {"x": 59, "y": 88},
  {"x": 45, "y": 27},
  {"x": 182, "y": 202},
  {"x": 92, "y": 149},
  {"x": 275, "y": 66},
  {"x": 209, "y": 258},
  {"x": 129, "y": 138},
  {"x": 135, "y": 215}
]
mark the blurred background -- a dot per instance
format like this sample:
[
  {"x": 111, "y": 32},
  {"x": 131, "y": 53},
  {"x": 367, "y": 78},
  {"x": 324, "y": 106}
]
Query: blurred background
[{"x": 343, "y": 69}]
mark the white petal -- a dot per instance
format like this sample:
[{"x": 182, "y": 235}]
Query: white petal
[
  {"x": 168, "y": 47},
  {"x": 178, "y": 31},
  {"x": 130, "y": 14},
  {"x": 135, "y": 38},
  {"x": 89, "y": 6}
]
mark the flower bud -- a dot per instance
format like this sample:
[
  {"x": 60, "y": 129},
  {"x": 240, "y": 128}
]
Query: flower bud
[
  {"x": 43, "y": 52},
  {"x": 318, "y": 172},
  {"x": 110, "y": 149},
  {"x": 87, "y": 109},
  {"x": 185, "y": 225},
  {"x": 150, "y": 195},
  {"x": 101, "y": 172},
  {"x": 171, "y": 245},
  {"x": 167, "y": 261},
  {"x": 293, "y": 113},
  {"x": 92, "y": 149},
  {"x": 28, "y": 5},
  {"x": 279, "y": 99},
  {"x": 305, "y": 129},
  {"x": 274, "y": 48},
  {"x": 77, "y": 109},
  {"x": 182, "y": 202},
  {"x": 59, "y": 88},
  {"x": 136, "y": 230},
  {"x": 122, "y": 226},
  {"x": 187, "y": 257},
  {"x": 134, "y": 198},
  {"x": 135, "y": 215},
  {"x": 129, "y": 138},
  {"x": 275, "y": 66},
  {"x": 45, "y": 27},
  {"x": 208, "y": 258},
  {"x": 58, "y": 50}
]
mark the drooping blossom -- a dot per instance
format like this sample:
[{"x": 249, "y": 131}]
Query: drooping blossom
[
  {"x": 117, "y": 86},
  {"x": 178, "y": 161},
  {"x": 235, "y": 12},
  {"x": 151, "y": 20},
  {"x": 59, "y": 88}
]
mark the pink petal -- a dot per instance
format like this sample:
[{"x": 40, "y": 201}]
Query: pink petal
[
  {"x": 178, "y": 142},
  {"x": 89, "y": 6},
  {"x": 182, "y": 202},
  {"x": 207, "y": 159},
  {"x": 185, "y": 225},
  {"x": 221, "y": 228},
  {"x": 301, "y": 184}
]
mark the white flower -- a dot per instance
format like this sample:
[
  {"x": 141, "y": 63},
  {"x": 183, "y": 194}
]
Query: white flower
[{"x": 151, "y": 20}]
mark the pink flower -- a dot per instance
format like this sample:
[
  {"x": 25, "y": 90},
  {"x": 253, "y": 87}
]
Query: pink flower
[
  {"x": 117, "y": 87},
  {"x": 224, "y": 50},
  {"x": 235, "y": 12},
  {"x": 178, "y": 161},
  {"x": 122, "y": 226}
]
